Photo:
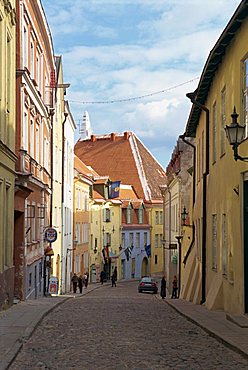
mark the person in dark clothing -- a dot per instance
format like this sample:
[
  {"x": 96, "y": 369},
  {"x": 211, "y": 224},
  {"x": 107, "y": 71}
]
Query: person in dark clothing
[
  {"x": 174, "y": 287},
  {"x": 163, "y": 288},
  {"x": 80, "y": 283},
  {"x": 113, "y": 279},
  {"x": 74, "y": 281},
  {"x": 102, "y": 277}
]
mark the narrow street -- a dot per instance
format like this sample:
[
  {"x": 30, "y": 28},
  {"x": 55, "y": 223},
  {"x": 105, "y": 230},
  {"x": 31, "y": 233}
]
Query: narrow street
[{"x": 118, "y": 328}]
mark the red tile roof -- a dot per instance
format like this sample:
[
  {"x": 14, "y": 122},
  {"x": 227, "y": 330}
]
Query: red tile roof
[
  {"x": 124, "y": 157},
  {"x": 83, "y": 169}
]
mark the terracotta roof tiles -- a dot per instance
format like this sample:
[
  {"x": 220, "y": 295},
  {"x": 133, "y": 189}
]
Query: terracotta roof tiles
[{"x": 124, "y": 157}]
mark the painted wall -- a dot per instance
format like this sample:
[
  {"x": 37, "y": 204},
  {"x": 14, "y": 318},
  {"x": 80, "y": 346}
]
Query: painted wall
[{"x": 7, "y": 147}]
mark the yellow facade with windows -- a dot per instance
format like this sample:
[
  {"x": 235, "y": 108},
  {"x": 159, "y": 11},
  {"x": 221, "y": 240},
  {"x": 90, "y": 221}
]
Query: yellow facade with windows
[
  {"x": 7, "y": 148},
  {"x": 155, "y": 216},
  {"x": 218, "y": 264}
]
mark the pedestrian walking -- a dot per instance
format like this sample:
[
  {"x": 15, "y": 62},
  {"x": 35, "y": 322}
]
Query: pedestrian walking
[
  {"x": 86, "y": 279},
  {"x": 174, "y": 288},
  {"x": 113, "y": 279},
  {"x": 80, "y": 283},
  {"x": 102, "y": 277},
  {"x": 74, "y": 281},
  {"x": 163, "y": 288}
]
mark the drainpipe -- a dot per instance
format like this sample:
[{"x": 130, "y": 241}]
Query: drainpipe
[
  {"x": 204, "y": 198},
  {"x": 62, "y": 203}
]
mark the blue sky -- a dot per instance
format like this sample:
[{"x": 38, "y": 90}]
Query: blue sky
[{"x": 117, "y": 49}]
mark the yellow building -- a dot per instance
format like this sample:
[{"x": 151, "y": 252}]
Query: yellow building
[
  {"x": 7, "y": 148},
  {"x": 105, "y": 231},
  {"x": 218, "y": 265},
  {"x": 155, "y": 219}
]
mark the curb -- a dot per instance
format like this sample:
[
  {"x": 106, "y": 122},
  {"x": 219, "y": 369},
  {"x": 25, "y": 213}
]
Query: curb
[
  {"x": 11, "y": 355},
  {"x": 212, "y": 333}
]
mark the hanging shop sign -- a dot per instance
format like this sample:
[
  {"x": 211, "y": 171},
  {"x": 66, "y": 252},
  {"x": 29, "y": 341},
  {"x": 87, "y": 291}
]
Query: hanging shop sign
[{"x": 50, "y": 235}]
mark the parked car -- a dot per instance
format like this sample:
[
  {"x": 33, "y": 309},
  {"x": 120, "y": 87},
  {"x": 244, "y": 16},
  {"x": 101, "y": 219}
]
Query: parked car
[{"x": 148, "y": 284}]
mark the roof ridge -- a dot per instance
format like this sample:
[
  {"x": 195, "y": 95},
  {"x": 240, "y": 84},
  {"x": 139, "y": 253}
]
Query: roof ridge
[{"x": 140, "y": 168}]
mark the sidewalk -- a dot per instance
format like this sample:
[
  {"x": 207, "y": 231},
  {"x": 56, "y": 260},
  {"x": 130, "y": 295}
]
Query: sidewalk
[
  {"x": 19, "y": 321},
  {"x": 229, "y": 329}
]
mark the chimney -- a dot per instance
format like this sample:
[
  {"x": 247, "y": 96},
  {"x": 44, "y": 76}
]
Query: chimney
[
  {"x": 126, "y": 135},
  {"x": 113, "y": 136},
  {"x": 93, "y": 138}
]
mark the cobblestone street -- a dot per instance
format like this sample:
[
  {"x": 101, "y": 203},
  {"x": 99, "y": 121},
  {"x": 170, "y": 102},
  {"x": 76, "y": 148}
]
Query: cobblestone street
[{"x": 117, "y": 328}]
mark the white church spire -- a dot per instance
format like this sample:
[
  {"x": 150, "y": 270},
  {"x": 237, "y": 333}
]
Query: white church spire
[{"x": 85, "y": 127}]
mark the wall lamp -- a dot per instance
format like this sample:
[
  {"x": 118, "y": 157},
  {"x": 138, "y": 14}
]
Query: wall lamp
[
  {"x": 235, "y": 134},
  {"x": 184, "y": 217}
]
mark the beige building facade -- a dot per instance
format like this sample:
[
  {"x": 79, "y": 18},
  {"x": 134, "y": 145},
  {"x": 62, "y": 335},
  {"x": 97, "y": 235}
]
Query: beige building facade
[
  {"x": 7, "y": 149},
  {"x": 218, "y": 265}
]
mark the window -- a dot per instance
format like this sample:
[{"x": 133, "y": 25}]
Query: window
[
  {"x": 32, "y": 60},
  {"x": 137, "y": 240},
  {"x": 224, "y": 245},
  {"x": 223, "y": 122},
  {"x": 37, "y": 144},
  {"x": 107, "y": 239},
  {"x": 214, "y": 242},
  {"x": 123, "y": 240},
  {"x": 130, "y": 239},
  {"x": 156, "y": 259},
  {"x": 161, "y": 217},
  {"x": 85, "y": 232},
  {"x": 78, "y": 234},
  {"x": 202, "y": 153},
  {"x": 156, "y": 240},
  {"x": 106, "y": 215},
  {"x": 141, "y": 215},
  {"x": 129, "y": 214},
  {"x": 32, "y": 138},
  {"x": 145, "y": 238},
  {"x": 244, "y": 101},
  {"x": 25, "y": 47},
  {"x": 214, "y": 133},
  {"x": 156, "y": 218},
  {"x": 25, "y": 132},
  {"x": 30, "y": 280}
]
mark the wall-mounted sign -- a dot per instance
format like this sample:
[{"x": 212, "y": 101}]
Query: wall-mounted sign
[
  {"x": 50, "y": 235},
  {"x": 53, "y": 285}
]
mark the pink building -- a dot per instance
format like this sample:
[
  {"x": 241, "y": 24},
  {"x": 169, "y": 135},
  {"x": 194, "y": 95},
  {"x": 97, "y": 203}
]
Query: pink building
[{"x": 34, "y": 95}]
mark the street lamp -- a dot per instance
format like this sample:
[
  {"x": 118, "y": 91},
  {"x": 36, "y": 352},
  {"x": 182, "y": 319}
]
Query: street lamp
[
  {"x": 235, "y": 134},
  {"x": 184, "y": 215}
]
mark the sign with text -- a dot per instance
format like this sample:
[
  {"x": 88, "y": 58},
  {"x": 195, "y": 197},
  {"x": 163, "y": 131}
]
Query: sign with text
[{"x": 50, "y": 235}]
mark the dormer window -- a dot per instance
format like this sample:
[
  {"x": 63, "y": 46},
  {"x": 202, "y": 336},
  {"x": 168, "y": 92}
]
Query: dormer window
[
  {"x": 141, "y": 215},
  {"x": 129, "y": 214}
]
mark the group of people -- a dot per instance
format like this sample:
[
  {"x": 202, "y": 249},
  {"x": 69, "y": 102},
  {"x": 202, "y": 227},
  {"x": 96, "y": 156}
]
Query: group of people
[
  {"x": 79, "y": 282},
  {"x": 174, "y": 288},
  {"x": 103, "y": 277}
]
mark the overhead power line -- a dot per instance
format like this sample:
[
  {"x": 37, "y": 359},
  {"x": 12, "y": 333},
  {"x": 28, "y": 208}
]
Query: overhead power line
[{"x": 135, "y": 97}]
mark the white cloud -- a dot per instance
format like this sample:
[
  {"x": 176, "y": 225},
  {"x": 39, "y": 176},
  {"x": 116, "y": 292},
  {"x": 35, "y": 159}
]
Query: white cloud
[{"x": 110, "y": 52}]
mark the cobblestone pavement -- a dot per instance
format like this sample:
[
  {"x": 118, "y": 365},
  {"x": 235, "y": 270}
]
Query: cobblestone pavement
[{"x": 118, "y": 328}]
